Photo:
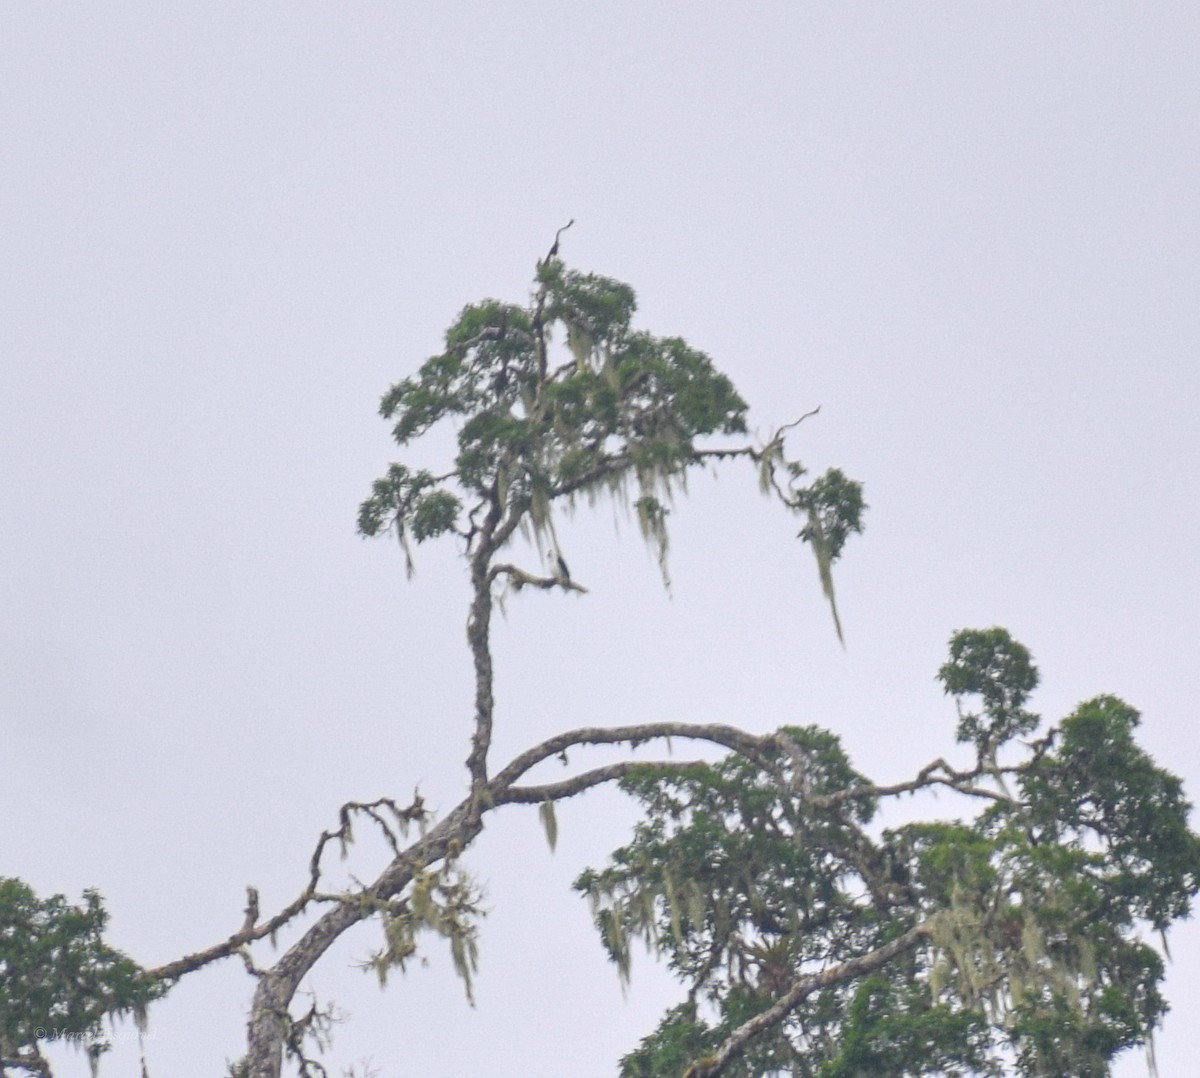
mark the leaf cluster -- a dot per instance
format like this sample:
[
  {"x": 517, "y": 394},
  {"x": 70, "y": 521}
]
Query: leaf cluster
[
  {"x": 58, "y": 976},
  {"x": 623, "y": 402},
  {"x": 564, "y": 399},
  {"x": 750, "y": 876},
  {"x": 990, "y": 664}
]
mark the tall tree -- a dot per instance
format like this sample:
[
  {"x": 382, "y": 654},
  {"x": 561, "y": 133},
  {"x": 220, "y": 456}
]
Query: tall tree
[
  {"x": 551, "y": 402},
  {"x": 811, "y": 939}
]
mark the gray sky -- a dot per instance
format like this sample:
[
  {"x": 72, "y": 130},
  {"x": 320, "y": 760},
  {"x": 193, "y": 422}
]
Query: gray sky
[{"x": 968, "y": 232}]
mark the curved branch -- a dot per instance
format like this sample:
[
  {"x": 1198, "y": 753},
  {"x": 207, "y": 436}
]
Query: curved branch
[
  {"x": 937, "y": 773},
  {"x": 556, "y": 791},
  {"x": 803, "y": 987},
  {"x": 730, "y": 737}
]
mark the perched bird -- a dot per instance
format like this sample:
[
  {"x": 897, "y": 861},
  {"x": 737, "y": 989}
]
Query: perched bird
[
  {"x": 563, "y": 572},
  {"x": 557, "y": 236}
]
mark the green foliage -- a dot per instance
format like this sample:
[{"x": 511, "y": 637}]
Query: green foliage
[
  {"x": 1099, "y": 780},
  {"x": 894, "y": 1028},
  {"x": 990, "y": 664},
  {"x": 58, "y": 978},
  {"x": 412, "y": 503},
  {"x": 684, "y": 1039},
  {"x": 749, "y": 876},
  {"x": 835, "y": 506},
  {"x": 567, "y": 398},
  {"x": 680, "y": 1037}
]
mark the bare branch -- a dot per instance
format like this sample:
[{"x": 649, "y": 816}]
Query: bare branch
[
  {"x": 251, "y": 931},
  {"x": 556, "y": 791},
  {"x": 521, "y": 579},
  {"x": 32, "y": 1062},
  {"x": 191, "y": 962},
  {"x": 796, "y": 422},
  {"x": 728, "y": 736},
  {"x": 937, "y": 773},
  {"x": 278, "y": 985},
  {"x": 495, "y": 333}
]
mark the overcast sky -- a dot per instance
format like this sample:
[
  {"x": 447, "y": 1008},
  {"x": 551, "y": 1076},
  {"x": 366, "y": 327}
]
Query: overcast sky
[{"x": 968, "y": 232}]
